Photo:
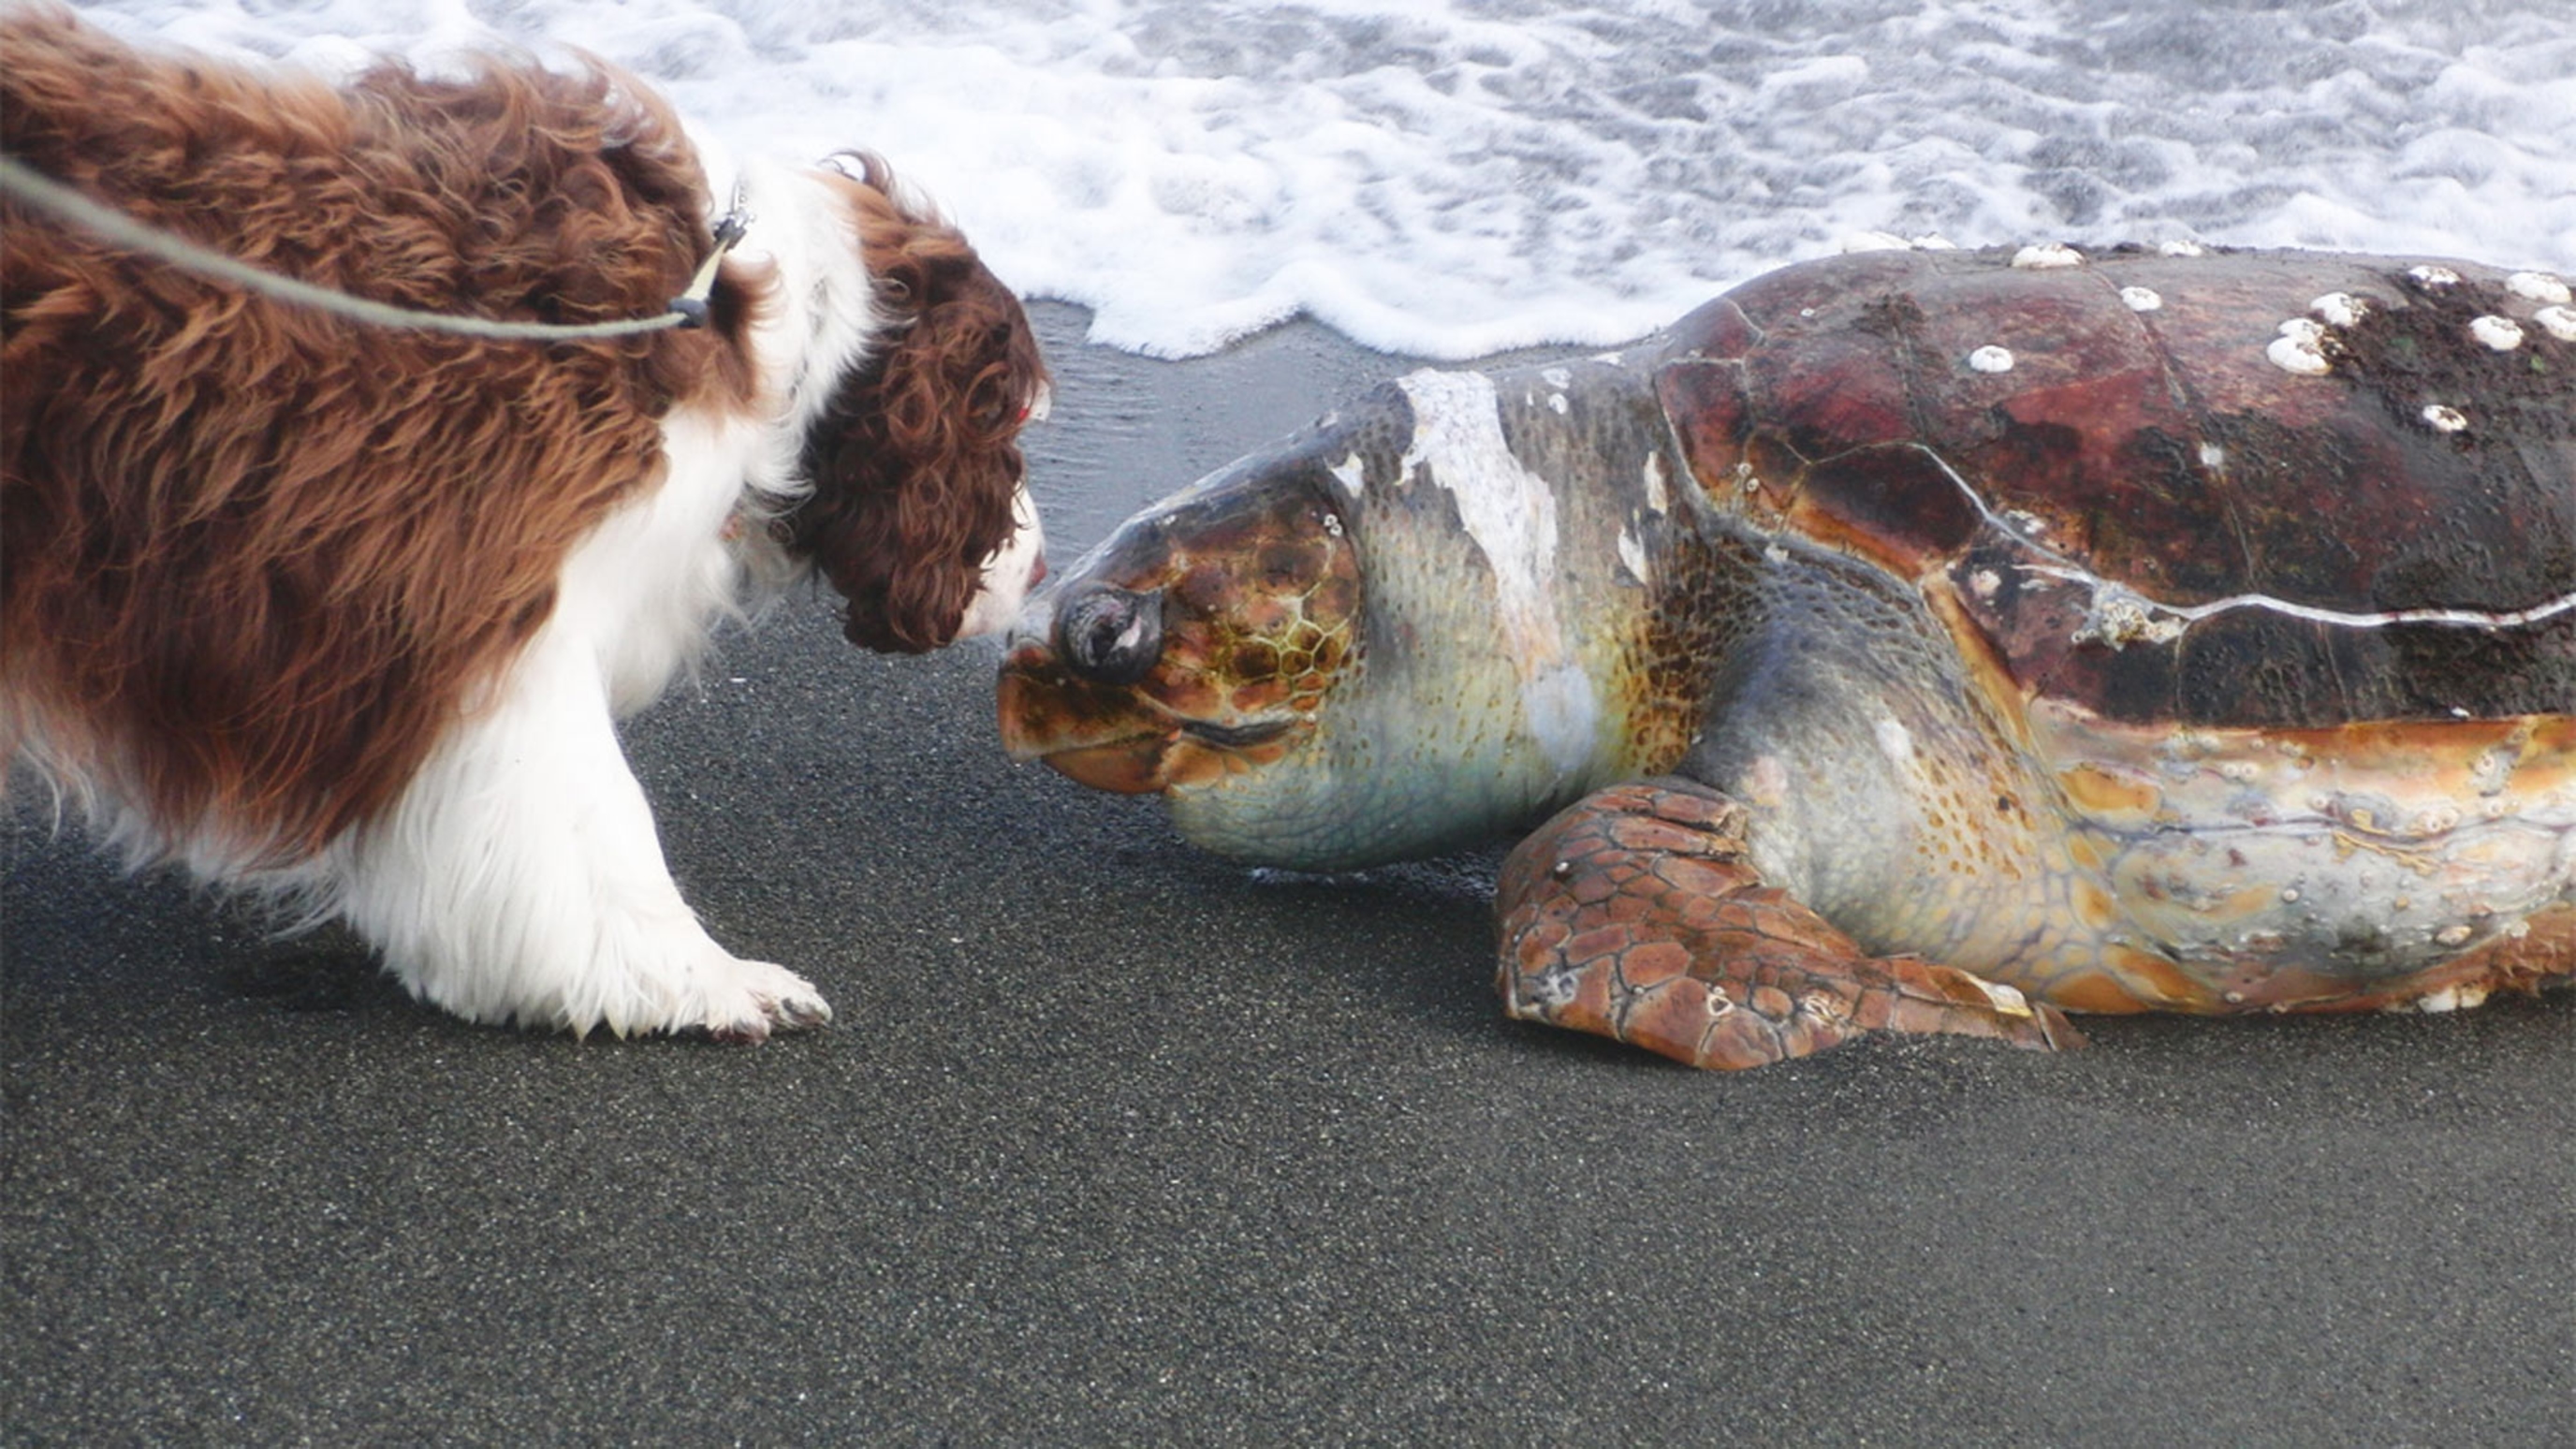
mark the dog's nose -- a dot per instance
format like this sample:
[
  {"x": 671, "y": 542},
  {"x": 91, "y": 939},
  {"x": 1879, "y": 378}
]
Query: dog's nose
[{"x": 1108, "y": 634}]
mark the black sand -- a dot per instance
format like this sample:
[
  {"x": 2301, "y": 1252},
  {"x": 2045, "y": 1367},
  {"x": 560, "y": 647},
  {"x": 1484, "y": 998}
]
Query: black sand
[{"x": 1113, "y": 1143}]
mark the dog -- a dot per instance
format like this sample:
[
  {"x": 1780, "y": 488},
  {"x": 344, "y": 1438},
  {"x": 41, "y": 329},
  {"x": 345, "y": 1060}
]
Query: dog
[{"x": 343, "y": 615}]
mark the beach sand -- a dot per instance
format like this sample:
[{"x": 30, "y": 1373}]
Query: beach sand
[{"x": 1113, "y": 1142}]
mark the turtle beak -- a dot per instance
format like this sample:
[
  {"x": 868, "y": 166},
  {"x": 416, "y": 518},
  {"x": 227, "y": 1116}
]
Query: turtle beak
[
  {"x": 1045, "y": 717},
  {"x": 1129, "y": 767},
  {"x": 1064, "y": 695}
]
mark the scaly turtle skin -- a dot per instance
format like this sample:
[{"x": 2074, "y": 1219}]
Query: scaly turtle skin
[{"x": 1912, "y": 641}]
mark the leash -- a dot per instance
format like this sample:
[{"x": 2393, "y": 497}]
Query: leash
[{"x": 688, "y": 310}]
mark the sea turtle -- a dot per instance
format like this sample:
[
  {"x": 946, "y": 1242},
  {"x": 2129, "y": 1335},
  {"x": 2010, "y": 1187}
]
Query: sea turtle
[{"x": 1916, "y": 640}]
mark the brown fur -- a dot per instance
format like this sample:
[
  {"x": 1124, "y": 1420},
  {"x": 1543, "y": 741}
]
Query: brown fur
[
  {"x": 254, "y": 561},
  {"x": 241, "y": 635},
  {"x": 946, "y": 400}
]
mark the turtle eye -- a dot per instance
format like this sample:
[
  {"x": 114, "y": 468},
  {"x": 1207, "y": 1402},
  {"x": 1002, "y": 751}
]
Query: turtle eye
[{"x": 1110, "y": 635}]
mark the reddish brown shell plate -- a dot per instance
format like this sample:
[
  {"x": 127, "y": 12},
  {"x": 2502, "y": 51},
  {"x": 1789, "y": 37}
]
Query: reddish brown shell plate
[{"x": 2164, "y": 451}]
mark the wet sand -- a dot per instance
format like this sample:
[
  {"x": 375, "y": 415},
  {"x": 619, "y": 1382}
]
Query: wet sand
[{"x": 1115, "y": 1143}]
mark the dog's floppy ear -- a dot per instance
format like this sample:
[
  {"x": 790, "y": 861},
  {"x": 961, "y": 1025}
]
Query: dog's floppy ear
[{"x": 915, "y": 461}]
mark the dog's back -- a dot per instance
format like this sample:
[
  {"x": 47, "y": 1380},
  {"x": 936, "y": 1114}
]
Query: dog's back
[{"x": 245, "y": 547}]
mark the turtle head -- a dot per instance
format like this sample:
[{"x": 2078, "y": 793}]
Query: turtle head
[
  {"x": 1365, "y": 643},
  {"x": 1198, "y": 641}
]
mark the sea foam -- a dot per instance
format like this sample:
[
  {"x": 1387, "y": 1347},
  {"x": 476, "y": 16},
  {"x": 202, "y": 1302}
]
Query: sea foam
[{"x": 1448, "y": 179}]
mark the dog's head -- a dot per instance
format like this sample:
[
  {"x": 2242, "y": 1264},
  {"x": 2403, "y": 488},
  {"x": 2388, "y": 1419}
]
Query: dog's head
[{"x": 918, "y": 513}]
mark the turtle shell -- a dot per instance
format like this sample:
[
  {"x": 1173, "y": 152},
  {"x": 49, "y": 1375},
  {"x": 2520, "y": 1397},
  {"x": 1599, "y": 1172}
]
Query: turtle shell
[{"x": 2258, "y": 489}]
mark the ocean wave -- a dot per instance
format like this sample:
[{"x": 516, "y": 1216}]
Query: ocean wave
[{"x": 1451, "y": 179}]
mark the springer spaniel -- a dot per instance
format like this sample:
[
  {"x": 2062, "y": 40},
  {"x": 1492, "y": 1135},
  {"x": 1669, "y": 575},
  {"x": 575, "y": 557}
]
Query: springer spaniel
[{"x": 344, "y": 615}]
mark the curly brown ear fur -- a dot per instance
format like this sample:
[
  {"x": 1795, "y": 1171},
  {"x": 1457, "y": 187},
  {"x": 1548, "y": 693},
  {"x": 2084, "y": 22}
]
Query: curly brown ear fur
[{"x": 917, "y": 458}]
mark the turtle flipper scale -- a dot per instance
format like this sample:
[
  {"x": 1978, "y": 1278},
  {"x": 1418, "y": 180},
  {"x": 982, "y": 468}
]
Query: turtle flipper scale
[{"x": 1636, "y": 913}]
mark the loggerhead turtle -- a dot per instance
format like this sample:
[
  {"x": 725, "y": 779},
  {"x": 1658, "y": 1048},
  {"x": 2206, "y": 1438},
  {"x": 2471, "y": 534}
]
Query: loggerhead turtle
[{"x": 1912, "y": 641}]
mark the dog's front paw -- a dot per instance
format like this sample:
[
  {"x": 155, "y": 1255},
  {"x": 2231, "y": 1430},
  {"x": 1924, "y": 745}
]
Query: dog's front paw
[
  {"x": 761, "y": 998},
  {"x": 707, "y": 992}
]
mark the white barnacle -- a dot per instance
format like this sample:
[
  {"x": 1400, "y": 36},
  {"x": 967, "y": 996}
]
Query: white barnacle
[
  {"x": 1991, "y": 358},
  {"x": 1556, "y": 403},
  {"x": 2558, "y": 322},
  {"x": 2432, "y": 1003},
  {"x": 2443, "y": 419},
  {"x": 2493, "y": 769},
  {"x": 2212, "y": 456},
  {"x": 1823, "y": 1008},
  {"x": 1551, "y": 989},
  {"x": 2539, "y": 287},
  {"x": 2500, "y": 333},
  {"x": 2188, "y": 744},
  {"x": 2007, "y": 1000},
  {"x": 2121, "y": 617},
  {"x": 2047, "y": 256},
  {"x": 2440, "y": 819},
  {"x": 1894, "y": 740},
  {"x": 2340, "y": 309},
  {"x": 1984, "y": 583},
  {"x": 2432, "y": 277},
  {"x": 1632, "y": 557},
  {"x": 2300, "y": 356},
  {"x": 2141, "y": 299}
]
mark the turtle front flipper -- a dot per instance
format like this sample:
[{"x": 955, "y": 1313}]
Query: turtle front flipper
[{"x": 1638, "y": 914}]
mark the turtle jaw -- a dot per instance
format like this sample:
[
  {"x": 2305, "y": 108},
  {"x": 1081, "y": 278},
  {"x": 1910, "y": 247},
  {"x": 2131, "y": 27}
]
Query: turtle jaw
[
  {"x": 1155, "y": 764},
  {"x": 1132, "y": 766},
  {"x": 1102, "y": 741},
  {"x": 1120, "y": 742}
]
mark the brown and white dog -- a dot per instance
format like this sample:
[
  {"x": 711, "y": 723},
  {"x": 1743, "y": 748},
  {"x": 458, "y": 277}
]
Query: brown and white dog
[{"x": 344, "y": 615}]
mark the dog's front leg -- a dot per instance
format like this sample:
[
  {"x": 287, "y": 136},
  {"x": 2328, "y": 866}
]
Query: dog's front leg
[{"x": 520, "y": 878}]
